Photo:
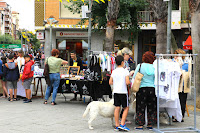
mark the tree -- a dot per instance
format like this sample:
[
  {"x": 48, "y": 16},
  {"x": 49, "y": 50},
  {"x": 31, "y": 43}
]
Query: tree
[
  {"x": 111, "y": 14},
  {"x": 35, "y": 42},
  {"x": 7, "y": 39},
  {"x": 195, "y": 19},
  {"x": 159, "y": 7}
]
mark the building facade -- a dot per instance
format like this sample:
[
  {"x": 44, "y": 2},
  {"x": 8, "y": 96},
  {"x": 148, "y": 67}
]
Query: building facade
[
  {"x": 15, "y": 24},
  {"x": 180, "y": 25},
  {"x": 68, "y": 34},
  {"x": 6, "y": 18}
]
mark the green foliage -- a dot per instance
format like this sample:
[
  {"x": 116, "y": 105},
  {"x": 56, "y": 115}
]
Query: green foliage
[
  {"x": 127, "y": 17},
  {"x": 35, "y": 42},
  {"x": 7, "y": 39}
]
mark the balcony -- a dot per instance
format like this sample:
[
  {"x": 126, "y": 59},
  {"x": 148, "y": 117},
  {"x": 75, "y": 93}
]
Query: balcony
[
  {"x": 146, "y": 16},
  {"x": 7, "y": 13},
  {"x": 8, "y": 31},
  {"x": 7, "y": 19},
  {"x": 7, "y": 25}
]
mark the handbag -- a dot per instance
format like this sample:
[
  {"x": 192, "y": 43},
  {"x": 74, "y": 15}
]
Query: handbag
[
  {"x": 46, "y": 73},
  {"x": 137, "y": 81}
]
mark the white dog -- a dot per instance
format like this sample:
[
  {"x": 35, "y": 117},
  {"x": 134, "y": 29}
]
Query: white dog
[{"x": 105, "y": 109}]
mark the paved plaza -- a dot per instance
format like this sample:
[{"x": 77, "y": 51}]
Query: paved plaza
[{"x": 66, "y": 117}]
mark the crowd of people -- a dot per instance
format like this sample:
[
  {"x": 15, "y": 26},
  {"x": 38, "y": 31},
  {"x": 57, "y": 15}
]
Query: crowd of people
[
  {"x": 12, "y": 71},
  {"x": 146, "y": 96},
  {"x": 16, "y": 67}
]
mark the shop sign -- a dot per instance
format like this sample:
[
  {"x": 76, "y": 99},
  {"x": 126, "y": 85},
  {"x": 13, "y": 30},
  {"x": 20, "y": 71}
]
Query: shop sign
[
  {"x": 71, "y": 34},
  {"x": 10, "y": 46},
  {"x": 188, "y": 44},
  {"x": 187, "y": 47},
  {"x": 40, "y": 35}
]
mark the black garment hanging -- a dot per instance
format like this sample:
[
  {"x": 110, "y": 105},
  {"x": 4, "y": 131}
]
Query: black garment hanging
[{"x": 93, "y": 73}]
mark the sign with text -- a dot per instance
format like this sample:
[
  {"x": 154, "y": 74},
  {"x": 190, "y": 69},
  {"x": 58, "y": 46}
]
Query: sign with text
[
  {"x": 73, "y": 70},
  {"x": 71, "y": 34},
  {"x": 40, "y": 35},
  {"x": 10, "y": 46}
]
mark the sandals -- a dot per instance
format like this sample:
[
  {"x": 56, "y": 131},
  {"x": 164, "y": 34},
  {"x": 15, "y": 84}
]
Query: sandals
[
  {"x": 149, "y": 128},
  {"x": 11, "y": 99},
  {"x": 45, "y": 101},
  {"x": 53, "y": 103},
  {"x": 139, "y": 129},
  {"x": 15, "y": 99}
]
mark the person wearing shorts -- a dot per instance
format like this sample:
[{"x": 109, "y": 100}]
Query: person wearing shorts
[
  {"x": 27, "y": 77},
  {"x": 120, "y": 79},
  {"x": 11, "y": 74}
]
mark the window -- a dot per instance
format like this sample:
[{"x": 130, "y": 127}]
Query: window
[
  {"x": 175, "y": 4},
  {"x": 66, "y": 13}
]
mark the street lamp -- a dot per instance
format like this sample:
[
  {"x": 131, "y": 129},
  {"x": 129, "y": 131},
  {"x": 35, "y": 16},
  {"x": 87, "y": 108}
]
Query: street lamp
[
  {"x": 89, "y": 14},
  {"x": 51, "y": 21}
]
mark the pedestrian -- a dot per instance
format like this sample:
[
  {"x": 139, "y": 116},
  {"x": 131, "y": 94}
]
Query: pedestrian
[
  {"x": 76, "y": 61},
  {"x": 27, "y": 77},
  {"x": 120, "y": 79},
  {"x": 21, "y": 61},
  {"x": 3, "y": 81},
  {"x": 54, "y": 64},
  {"x": 184, "y": 87},
  {"x": 145, "y": 97},
  {"x": 126, "y": 53},
  {"x": 43, "y": 59},
  {"x": 11, "y": 73}
]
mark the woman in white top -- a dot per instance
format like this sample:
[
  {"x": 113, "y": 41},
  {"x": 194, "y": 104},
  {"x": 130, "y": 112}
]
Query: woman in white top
[{"x": 20, "y": 60}]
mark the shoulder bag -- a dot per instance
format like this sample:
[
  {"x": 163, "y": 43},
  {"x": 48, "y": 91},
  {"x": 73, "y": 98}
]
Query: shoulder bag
[
  {"x": 137, "y": 81},
  {"x": 46, "y": 73}
]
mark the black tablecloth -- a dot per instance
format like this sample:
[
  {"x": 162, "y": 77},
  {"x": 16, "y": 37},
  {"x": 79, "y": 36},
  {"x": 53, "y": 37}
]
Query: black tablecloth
[{"x": 95, "y": 89}]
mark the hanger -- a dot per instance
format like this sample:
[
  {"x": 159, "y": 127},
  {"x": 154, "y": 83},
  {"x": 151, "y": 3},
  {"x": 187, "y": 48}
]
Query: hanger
[{"x": 161, "y": 57}]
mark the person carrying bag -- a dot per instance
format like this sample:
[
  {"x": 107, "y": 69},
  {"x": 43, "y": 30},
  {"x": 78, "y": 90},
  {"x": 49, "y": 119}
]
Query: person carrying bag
[
  {"x": 145, "y": 97},
  {"x": 46, "y": 73},
  {"x": 137, "y": 81}
]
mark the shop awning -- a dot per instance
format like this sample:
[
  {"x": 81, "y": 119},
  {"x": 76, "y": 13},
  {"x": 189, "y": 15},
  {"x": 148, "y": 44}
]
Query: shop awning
[{"x": 188, "y": 44}]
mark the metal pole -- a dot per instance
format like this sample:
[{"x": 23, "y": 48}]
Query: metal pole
[
  {"x": 89, "y": 30},
  {"x": 158, "y": 109},
  {"x": 169, "y": 26},
  {"x": 194, "y": 92},
  {"x": 51, "y": 47},
  {"x": 21, "y": 41}
]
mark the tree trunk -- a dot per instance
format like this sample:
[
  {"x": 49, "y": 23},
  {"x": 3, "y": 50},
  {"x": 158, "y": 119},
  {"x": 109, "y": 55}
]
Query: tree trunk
[
  {"x": 109, "y": 42},
  {"x": 196, "y": 49},
  {"x": 113, "y": 11},
  {"x": 161, "y": 37}
]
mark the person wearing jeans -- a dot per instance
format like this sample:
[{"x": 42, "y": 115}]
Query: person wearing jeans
[
  {"x": 55, "y": 81},
  {"x": 54, "y": 64}
]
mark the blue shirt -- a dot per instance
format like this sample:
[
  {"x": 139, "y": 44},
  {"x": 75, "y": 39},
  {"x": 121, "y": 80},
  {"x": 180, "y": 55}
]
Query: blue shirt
[{"x": 148, "y": 71}]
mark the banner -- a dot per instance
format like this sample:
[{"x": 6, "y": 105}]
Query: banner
[{"x": 10, "y": 46}]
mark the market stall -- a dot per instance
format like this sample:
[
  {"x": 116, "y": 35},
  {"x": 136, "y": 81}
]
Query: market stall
[{"x": 75, "y": 81}]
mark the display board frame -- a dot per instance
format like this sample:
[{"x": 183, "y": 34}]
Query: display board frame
[{"x": 73, "y": 67}]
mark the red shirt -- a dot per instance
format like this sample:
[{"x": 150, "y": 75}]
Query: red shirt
[{"x": 28, "y": 70}]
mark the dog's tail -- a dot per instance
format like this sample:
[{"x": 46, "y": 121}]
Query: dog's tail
[{"x": 86, "y": 110}]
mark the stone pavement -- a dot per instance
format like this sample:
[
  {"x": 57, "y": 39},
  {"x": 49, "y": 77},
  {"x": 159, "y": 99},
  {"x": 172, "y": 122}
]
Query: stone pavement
[{"x": 66, "y": 117}]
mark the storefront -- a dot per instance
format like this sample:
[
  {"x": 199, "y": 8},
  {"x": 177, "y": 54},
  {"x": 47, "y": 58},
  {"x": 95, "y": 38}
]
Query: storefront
[
  {"x": 64, "y": 44},
  {"x": 76, "y": 39}
]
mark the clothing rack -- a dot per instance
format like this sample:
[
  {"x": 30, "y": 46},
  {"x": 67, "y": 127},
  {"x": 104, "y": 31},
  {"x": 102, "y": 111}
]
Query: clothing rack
[
  {"x": 187, "y": 129},
  {"x": 100, "y": 52}
]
